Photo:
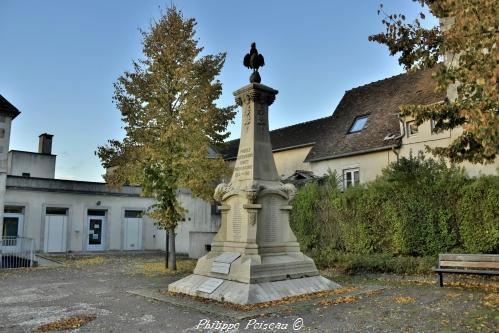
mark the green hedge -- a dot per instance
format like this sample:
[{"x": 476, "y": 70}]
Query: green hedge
[
  {"x": 417, "y": 207},
  {"x": 478, "y": 216}
]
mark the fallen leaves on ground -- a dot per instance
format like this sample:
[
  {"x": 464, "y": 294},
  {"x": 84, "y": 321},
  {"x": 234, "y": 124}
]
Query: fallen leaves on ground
[
  {"x": 492, "y": 301},
  {"x": 87, "y": 261},
  {"x": 349, "y": 299},
  {"x": 156, "y": 268},
  {"x": 373, "y": 293},
  {"x": 453, "y": 295},
  {"x": 404, "y": 299},
  {"x": 65, "y": 324},
  {"x": 492, "y": 287},
  {"x": 283, "y": 301}
]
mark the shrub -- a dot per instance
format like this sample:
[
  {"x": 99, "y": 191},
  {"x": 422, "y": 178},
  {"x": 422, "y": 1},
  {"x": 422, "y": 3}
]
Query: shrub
[
  {"x": 375, "y": 263},
  {"x": 422, "y": 209},
  {"x": 313, "y": 218},
  {"x": 479, "y": 215},
  {"x": 417, "y": 207},
  {"x": 303, "y": 216}
]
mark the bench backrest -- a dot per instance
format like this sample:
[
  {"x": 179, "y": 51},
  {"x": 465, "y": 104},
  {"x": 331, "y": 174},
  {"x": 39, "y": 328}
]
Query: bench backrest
[{"x": 483, "y": 261}]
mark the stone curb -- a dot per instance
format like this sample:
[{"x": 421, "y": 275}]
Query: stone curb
[{"x": 219, "y": 310}]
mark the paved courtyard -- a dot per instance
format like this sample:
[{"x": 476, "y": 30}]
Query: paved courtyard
[{"x": 98, "y": 286}]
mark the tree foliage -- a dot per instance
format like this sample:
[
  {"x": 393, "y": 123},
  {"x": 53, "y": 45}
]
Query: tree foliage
[
  {"x": 167, "y": 103},
  {"x": 467, "y": 40}
]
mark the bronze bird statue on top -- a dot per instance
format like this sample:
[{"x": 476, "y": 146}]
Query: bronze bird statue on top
[{"x": 254, "y": 60}]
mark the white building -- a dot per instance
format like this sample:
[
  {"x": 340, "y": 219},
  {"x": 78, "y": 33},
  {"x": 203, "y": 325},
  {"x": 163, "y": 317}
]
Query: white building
[{"x": 78, "y": 216}]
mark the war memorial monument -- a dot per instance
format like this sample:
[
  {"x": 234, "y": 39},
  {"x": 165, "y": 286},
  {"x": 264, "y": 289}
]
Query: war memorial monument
[{"x": 255, "y": 256}]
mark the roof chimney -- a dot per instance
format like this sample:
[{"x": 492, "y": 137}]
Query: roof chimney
[{"x": 45, "y": 144}]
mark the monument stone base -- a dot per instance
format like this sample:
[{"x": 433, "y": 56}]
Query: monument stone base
[
  {"x": 249, "y": 293},
  {"x": 255, "y": 256}
]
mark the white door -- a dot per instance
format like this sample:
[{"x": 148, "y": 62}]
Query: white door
[
  {"x": 55, "y": 233},
  {"x": 96, "y": 233},
  {"x": 132, "y": 233},
  {"x": 12, "y": 228}
]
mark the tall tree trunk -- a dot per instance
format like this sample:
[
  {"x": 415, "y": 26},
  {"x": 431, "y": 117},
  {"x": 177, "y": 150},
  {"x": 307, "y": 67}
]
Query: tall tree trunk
[
  {"x": 172, "y": 258},
  {"x": 166, "y": 248}
]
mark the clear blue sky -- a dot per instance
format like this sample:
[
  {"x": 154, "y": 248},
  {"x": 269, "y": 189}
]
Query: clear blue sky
[{"x": 59, "y": 59}]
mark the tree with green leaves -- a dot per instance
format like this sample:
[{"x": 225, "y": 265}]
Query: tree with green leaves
[
  {"x": 467, "y": 40},
  {"x": 171, "y": 122}
]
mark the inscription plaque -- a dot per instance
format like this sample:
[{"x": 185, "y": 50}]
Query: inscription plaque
[
  {"x": 223, "y": 261},
  {"x": 236, "y": 222},
  {"x": 210, "y": 285},
  {"x": 244, "y": 163},
  {"x": 272, "y": 224},
  {"x": 220, "y": 267},
  {"x": 228, "y": 257}
]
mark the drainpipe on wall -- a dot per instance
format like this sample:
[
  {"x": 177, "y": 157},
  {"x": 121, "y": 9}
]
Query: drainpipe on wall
[{"x": 402, "y": 134}]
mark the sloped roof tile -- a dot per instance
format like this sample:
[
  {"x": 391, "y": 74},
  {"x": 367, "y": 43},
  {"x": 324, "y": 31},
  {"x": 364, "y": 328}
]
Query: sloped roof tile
[
  {"x": 298, "y": 135},
  {"x": 7, "y": 109},
  {"x": 380, "y": 101}
]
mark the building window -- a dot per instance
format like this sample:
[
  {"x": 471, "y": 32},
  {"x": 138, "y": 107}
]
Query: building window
[
  {"x": 56, "y": 211},
  {"x": 13, "y": 209},
  {"x": 26, "y": 174},
  {"x": 96, "y": 212},
  {"x": 433, "y": 129},
  {"x": 412, "y": 128},
  {"x": 2, "y": 133},
  {"x": 133, "y": 213},
  {"x": 358, "y": 124},
  {"x": 351, "y": 177}
]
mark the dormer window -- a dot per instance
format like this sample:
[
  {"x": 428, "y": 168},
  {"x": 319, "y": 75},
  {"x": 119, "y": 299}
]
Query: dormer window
[{"x": 358, "y": 124}]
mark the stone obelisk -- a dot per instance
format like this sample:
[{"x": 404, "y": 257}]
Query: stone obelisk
[{"x": 255, "y": 256}]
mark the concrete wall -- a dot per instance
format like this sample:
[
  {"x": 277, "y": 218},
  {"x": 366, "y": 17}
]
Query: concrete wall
[
  {"x": 370, "y": 164},
  {"x": 198, "y": 218},
  {"x": 288, "y": 161},
  {"x": 5, "y": 125},
  {"x": 35, "y": 203},
  {"x": 37, "y": 165},
  {"x": 425, "y": 137},
  {"x": 198, "y": 242}
]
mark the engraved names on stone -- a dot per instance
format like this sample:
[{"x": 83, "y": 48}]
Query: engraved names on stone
[
  {"x": 236, "y": 221},
  {"x": 271, "y": 226},
  {"x": 244, "y": 163}
]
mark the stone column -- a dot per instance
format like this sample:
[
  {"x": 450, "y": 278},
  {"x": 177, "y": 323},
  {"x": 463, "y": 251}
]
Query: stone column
[
  {"x": 255, "y": 256},
  {"x": 254, "y": 159}
]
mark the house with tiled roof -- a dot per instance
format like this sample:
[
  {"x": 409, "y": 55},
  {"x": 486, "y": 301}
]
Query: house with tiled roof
[
  {"x": 364, "y": 134},
  {"x": 290, "y": 145}
]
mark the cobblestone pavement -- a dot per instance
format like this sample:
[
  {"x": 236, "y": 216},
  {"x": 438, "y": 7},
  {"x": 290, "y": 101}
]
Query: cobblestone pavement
[{"x": 98, "y": 286}]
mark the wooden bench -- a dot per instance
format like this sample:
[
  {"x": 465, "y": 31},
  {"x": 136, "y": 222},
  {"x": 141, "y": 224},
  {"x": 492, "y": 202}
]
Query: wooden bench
[{"x": 479, "y": 264}]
